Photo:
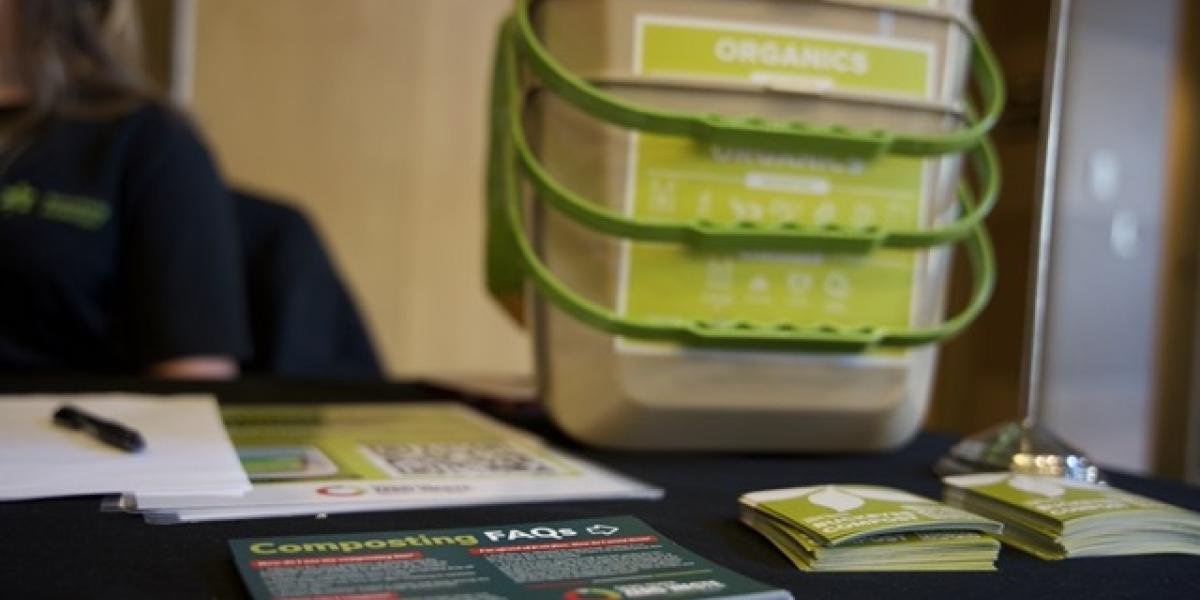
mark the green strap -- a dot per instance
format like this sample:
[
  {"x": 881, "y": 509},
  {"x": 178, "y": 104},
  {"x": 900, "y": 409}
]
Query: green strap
[
  {"x": 505, "y": 227},
  {"x": 511, "y": 258},
  {"x": 741, "y": 335},
  {"x": 502, "y": 269},
  {"x": 742, "y": 236},
  {"x": 758, "y": 133}
]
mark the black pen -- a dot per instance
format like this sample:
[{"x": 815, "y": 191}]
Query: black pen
[{"x": 109, "y": 432}]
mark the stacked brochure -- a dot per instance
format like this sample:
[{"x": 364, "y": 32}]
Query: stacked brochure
[
  {"x": 186, "y": 450},
  {"x": 318, "y": 459},
  {"x": 870, "y": 528},
  {"x": 1054, "y": 518},
  {"x": 602, "y": 557}
]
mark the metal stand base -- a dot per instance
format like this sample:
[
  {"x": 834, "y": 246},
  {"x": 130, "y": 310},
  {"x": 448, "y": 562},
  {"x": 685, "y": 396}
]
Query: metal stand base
[{"x": 1021, "y": 448}]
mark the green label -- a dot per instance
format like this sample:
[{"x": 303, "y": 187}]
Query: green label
[
  {"x": 806, "y": 58},
  {"x": 683, "y": 180},
  {"x": 83, "y": 212}
]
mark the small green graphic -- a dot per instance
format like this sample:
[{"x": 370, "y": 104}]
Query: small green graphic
[
  {"x": 17, "y": 198},
  {"x": 80, "y": 211},
  {"x": 301, "y": 461},
  {"x": 83, "y": 212}
]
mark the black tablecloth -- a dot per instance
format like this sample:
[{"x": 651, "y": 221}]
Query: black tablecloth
[{"x": 67, "y": 548}]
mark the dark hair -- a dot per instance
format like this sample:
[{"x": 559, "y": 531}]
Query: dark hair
[{"x": 78, "y": 58}]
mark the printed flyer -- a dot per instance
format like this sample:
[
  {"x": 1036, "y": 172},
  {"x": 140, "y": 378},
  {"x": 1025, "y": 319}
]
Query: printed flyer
[
  {"x": 328, "y": 458},
  {"x": 606, "y": 558}
]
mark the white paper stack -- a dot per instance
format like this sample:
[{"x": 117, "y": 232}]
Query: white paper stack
[{"x": 187, "y": 449}]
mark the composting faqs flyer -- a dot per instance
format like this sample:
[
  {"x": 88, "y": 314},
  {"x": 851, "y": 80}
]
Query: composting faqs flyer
[{"x": 603, "y": 558}]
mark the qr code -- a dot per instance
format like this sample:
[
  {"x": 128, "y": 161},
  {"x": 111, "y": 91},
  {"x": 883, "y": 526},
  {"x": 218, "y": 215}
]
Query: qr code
[{"x": 459, "y": 459}]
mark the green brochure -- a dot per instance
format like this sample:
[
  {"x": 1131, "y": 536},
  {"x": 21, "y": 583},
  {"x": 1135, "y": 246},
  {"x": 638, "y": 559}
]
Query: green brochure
[
  {"x": 603, "y": 558},
  {"x": 870, "y": 528},
  {"x": 1054, "y": 518}
]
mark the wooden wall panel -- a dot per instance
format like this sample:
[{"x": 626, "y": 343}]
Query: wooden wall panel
[
  {"x": 1178, "y": 378},
  {"x": 155, "y": 17},
  {"x": 371, "y": 115}
]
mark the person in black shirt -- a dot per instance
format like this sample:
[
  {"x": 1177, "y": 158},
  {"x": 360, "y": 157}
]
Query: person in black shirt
[{"x": 118, "y": 244}]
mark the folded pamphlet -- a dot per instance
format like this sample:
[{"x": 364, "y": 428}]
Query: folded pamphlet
[
  {"x": 870, "y": 528},
  {"x": 1055, "y": 518}
]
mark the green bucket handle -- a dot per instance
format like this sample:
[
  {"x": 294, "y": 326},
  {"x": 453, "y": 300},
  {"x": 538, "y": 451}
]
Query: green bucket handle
[
  {"x": 758, "y": 133},
  {"x": 741, "y": 236},
  {"x": 740, "y": 335},
  {"x": 511, "y": 258}
]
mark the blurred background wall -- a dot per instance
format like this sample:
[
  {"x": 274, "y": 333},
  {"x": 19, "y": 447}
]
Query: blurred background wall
[{"x": 370, "y": 114}]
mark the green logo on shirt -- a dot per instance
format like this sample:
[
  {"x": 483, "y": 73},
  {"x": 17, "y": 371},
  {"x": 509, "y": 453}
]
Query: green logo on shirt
[
  {"x": 18, "y": 199},
  {"x": 80, "y": 211}
]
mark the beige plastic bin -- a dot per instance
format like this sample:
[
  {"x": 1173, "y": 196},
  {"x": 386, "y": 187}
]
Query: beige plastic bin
[{"x": 616, "y": 393}]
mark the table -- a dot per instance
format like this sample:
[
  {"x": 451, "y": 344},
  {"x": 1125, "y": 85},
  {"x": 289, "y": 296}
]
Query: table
[{"x": 65, "y": 548}]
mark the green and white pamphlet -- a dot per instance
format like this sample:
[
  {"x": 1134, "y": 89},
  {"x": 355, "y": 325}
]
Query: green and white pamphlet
[
  {"x": 680, "y": 179},
  {"x": 870, "y": 528},
  {"x": 1055, "y": 518},
  {"x": 602, "y": 558},
  {"x": 326, "y": 458}
]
